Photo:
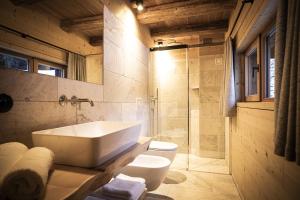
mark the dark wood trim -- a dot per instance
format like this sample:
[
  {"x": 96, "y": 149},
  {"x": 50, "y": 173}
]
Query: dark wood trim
[
  {"x": 254, "y": 45},
  {"x": 23, "y": 35},
  {"x": 183, "y": 9},
  {"x": 82, "y": 24},
  {"x": 181, "y": 46},
  {"x": 96, "y": 41},
  {"x": 24, "y": 2},
  {"x": 211, "y": 28}
]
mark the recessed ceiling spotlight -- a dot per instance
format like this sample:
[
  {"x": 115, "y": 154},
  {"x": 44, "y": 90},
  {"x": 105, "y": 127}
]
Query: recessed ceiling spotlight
[{"x": 139, "y": 5}]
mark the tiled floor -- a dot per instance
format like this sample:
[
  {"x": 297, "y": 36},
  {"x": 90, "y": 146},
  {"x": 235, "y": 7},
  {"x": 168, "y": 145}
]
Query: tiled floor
[
  {"x": 212, "y": 165},
  {"x": 196, "y": 163},
  {"x": 186, "y": 185}
]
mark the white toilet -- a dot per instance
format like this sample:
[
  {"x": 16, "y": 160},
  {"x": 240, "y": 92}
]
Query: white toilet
[
  {"x": 164, "y": 149},
  {"x": 152, "y": 165},
  {"x": 152, "y": 168}
]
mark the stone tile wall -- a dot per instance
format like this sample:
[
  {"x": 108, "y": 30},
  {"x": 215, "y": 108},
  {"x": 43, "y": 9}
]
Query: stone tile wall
[{"x": 122, "y": 97}]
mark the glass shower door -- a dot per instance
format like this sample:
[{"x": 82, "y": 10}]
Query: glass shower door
[
  {"x": 185, "y": 94},
  {"x": 169, "y": 101}
]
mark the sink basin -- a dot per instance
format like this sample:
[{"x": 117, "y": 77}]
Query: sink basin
[{"x": 89, "y": 144}]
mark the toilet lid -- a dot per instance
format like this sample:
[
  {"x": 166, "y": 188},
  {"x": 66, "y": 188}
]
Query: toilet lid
[{"x": 162, "y": 146}]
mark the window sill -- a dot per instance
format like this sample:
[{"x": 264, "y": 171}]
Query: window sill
[{"x": 268, "y": 105}]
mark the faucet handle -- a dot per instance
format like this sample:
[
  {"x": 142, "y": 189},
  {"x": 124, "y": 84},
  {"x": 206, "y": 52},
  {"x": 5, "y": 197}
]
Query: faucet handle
[
  {"x": 74, "y": 100},
  {"x": 62, "y": 100},
  {"x": 92, "y": 103}
]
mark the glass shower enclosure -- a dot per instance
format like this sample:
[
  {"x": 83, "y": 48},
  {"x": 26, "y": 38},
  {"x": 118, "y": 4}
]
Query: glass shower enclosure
[{"x": 185, "y": 95}]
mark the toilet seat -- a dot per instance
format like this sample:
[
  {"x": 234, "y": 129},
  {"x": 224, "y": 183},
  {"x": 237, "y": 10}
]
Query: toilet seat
[{"x": 162, "y": 146}]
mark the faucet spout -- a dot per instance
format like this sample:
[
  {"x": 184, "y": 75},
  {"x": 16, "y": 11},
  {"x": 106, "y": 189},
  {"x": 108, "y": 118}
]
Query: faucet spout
[{"x": 75, "y": 100}]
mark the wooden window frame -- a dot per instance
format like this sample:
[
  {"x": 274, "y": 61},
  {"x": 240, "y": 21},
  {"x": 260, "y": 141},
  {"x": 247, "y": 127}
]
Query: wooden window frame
[
  {"x": 37, "y": 61},
  {"x": 271, "y": 28},
  {"x": 255, "y": 45},
  {"x": 34, "y": 62},
  {"x": 13, "y": 53}
]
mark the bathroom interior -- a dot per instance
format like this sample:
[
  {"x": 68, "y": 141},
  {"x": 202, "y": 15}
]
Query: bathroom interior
[{"x": 150, "y": 99}]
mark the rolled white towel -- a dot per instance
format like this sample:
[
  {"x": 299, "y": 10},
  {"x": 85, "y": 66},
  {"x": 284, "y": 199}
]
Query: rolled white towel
[
  {"x": 10, "y": 153},
  {"x": 28, "y": 177},
  {"x": 123, "y": 189}
]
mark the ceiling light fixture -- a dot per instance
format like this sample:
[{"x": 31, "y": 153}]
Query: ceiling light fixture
[{"x": 139, "y": 5}]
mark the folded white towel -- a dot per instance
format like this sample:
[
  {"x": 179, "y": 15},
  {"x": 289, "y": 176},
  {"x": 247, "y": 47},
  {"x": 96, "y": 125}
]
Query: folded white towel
[
  {"x": 28, "y": 177},
  {"x": 124, "y": 189},
  {"x": 130, "y": 178},
  {"x": 100, "y": 197},
  {"x": 94, "y": 198}
]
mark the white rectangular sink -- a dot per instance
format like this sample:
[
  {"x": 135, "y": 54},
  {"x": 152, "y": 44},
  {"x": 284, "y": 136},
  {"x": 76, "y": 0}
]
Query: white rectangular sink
[{"x": 89, "y": 144}]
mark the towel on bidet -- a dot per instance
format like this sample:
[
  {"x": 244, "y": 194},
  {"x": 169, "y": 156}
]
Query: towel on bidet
[
  {"x": 27, "y": 177},
  {"x": 123, "y": 189}
]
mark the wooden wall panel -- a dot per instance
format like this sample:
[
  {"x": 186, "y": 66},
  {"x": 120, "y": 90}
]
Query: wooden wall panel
[
  {"x": 28, "y": 47},
  {"x": 252, "y": 21},
  {"x": 46, "y": 28},
  {"x": 257, "y": 171}
]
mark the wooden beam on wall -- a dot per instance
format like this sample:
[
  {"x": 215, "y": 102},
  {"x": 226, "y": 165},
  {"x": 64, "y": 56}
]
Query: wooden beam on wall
[
  {"x": 183, "y": 9},
  {"x": 83, "y": 24},
  {"x": 205, "y": 29},
  {"x": 24, "y": 2}
]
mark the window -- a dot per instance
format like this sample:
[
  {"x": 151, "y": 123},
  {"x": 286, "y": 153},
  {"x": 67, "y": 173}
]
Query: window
[
  {"x": 49, "y": 68},
  {"x": 269, "y": 64},
  {"x": 14, "y": 61},
  {"x": 252, "y": 75},
  {"x": 259, "y": 61}
]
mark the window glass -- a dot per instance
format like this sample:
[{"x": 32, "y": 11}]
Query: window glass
[
  {"x": 13, "y": 62},
  {"x": 252, "y": 72},
  {"x": 50, "y": 70},
  {"x": 270, "y": 65}
]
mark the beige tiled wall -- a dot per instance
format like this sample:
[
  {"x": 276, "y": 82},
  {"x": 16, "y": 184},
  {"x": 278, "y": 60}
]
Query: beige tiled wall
[
  {"x": 122, "y": 97},
  {"x": 125, "y": 68},
  {"x": 212, "y": 124}
]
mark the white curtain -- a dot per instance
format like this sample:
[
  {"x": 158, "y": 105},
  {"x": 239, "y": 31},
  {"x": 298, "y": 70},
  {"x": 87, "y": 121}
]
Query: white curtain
[
  {"x": 229, "y": 97},
  {"x": 76, "y": 67}
]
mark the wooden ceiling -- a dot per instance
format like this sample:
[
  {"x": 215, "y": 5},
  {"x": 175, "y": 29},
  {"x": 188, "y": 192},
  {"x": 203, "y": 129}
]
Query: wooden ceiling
[
  {"x": 167, "y": 19},
  {"x": 170, "y": 19},
  {"x": 84, "y": 17}
]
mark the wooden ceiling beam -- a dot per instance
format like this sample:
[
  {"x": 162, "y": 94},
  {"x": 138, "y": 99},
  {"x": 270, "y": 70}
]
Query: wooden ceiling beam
[
  {"x": 96, "y": 41},
  {"x": 24, "y": 2},
  {"x": 183, "y": 9},
  {"x": 83, "y": 24},
  {"x": 184, "y": 30}
]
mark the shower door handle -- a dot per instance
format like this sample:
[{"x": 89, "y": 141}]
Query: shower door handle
[
  {"x": 152, "y": 98},
  {"x": 153, "y": 102}
]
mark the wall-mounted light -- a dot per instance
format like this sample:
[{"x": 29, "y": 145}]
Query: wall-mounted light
[{"x": 139, "y": 5}]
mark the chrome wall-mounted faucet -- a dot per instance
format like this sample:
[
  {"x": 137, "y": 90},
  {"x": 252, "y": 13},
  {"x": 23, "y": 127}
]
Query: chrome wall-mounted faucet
[
  {"x": 75, "y": 100},
  {"x": 63, "y": 100}
]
